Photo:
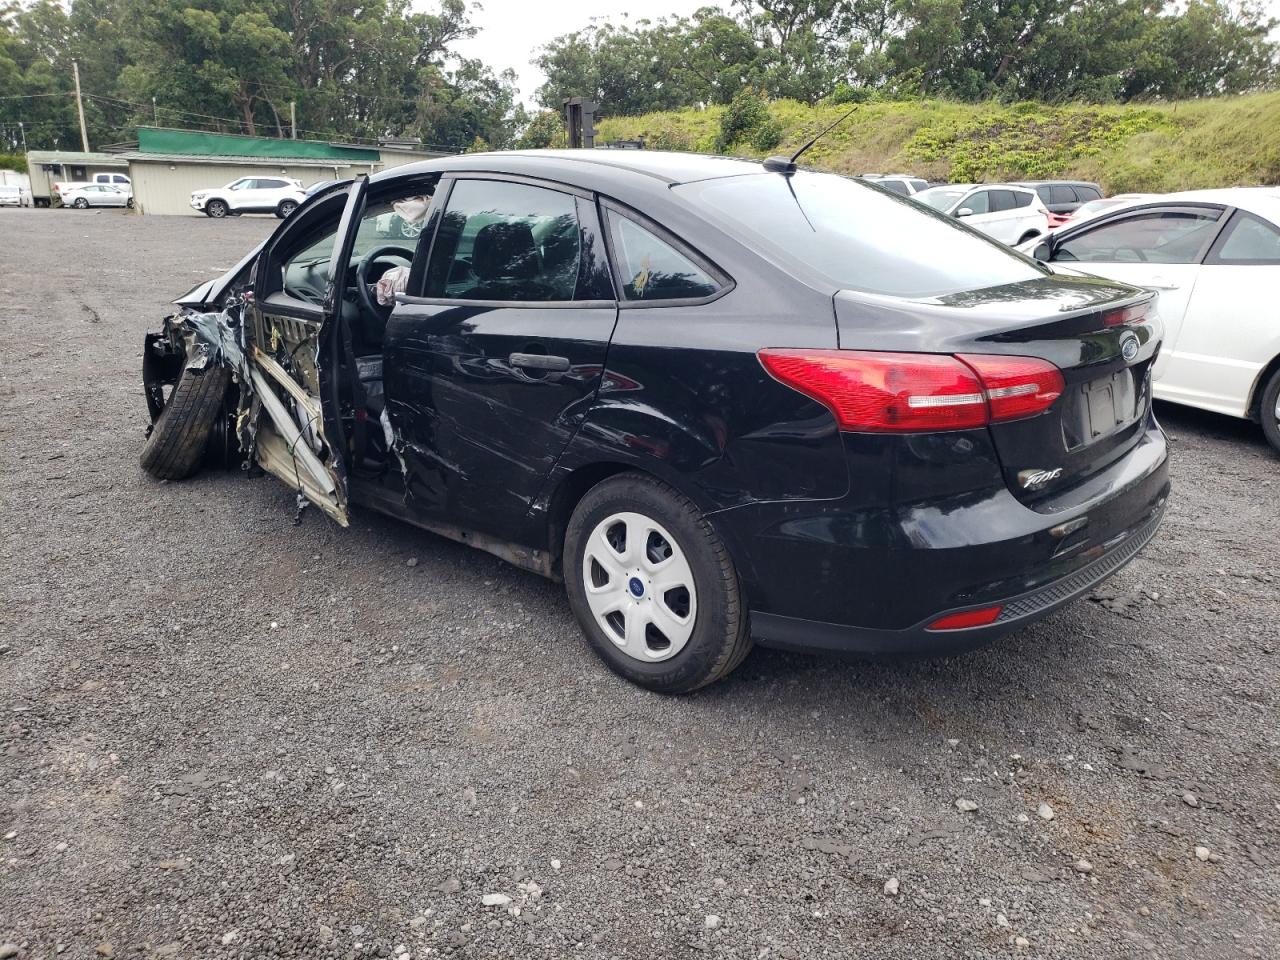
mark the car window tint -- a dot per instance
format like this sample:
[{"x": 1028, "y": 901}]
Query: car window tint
[
  {"x": 843, "y": 233},
  {"x": 653, "y": 269},
  {"x": 1086, "y": 193},
  {"x": 1001, "y": 200},
  {"x": 1061, "y": 194},
  {"x": 1248, "y": 239},
  {"x": 894, "y": 186},
  {"x": 918, "y": 185},
  {"x": 505, "y": 241},
  {"x": 1161, "y": 236},
  {"x": 1046, "y": 192},
  {"x": 120, "y": 179},
  {"x": 979, "y": 202},
  {"x": 1022, "y": 198}
]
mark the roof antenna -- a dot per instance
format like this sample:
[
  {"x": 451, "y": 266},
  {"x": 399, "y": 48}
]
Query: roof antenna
[{"x": 787, "y": 166}]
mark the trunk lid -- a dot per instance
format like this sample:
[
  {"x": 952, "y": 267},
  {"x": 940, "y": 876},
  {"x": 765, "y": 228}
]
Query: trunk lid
[{"x": 1075, "y": 323}]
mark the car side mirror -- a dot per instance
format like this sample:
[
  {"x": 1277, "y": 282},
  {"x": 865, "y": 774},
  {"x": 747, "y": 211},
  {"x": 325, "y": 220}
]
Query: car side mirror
[
  {"x": 1043, "y": 251},
  {"x": 964, "y": 212}
]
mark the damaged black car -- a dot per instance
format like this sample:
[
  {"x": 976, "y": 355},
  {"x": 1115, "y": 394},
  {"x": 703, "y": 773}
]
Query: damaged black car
[{"x": 723, "y": 402}]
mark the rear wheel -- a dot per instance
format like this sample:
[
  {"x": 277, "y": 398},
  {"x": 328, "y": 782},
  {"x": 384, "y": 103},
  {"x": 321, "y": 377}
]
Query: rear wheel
[
  {"x": 80, "y": 203},
  {"x": 1270, "y": 411},
  {"x": 286, "y": 208},
  {"x": 216, "y": 209},
  {"x": 176, "y": 446},
  {"x": 653, "y": 587}
]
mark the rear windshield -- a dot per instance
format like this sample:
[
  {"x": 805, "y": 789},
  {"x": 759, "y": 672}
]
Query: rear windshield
[{"x": 856, "y": 237}]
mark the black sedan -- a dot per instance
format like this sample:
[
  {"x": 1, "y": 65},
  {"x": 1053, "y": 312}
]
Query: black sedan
[{"x": 722, "y": 401}]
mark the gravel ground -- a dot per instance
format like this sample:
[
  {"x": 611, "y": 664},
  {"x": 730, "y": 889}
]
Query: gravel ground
[{"x": 228, "y": 736}]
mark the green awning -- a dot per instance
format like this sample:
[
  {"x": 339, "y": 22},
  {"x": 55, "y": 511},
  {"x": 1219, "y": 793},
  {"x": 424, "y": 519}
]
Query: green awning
[{"x": 197, "y": 143}]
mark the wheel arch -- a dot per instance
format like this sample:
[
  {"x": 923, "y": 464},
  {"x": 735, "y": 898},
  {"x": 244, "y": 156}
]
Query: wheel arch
[{"x": 1254, "y": 410}]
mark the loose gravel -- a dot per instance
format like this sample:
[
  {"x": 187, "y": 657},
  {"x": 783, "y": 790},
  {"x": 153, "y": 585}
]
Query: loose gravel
[{"x": 228, "y": 736}]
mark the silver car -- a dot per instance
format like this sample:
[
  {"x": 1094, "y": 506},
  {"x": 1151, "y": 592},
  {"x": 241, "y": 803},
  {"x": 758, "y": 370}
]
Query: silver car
[{"x": 95, "y": 195}]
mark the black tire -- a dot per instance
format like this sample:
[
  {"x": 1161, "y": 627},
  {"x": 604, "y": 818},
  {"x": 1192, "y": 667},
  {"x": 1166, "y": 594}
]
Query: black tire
[
  {"x": 1268, "y": 413},
  {"x": 176, "y": 447},
  {"x": 129, "y": 203},
  {"x": 286, "y": 208},
  {"x": 720, "y": 640},
  {"x": 80, "y": 203},
  {"x": 216, "y": 209}
]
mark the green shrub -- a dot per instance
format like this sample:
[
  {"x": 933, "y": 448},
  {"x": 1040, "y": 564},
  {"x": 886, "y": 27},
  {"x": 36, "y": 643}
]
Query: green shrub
[
  {"x": 744, "y": 115},
  {"x": 767, "y": 135}
]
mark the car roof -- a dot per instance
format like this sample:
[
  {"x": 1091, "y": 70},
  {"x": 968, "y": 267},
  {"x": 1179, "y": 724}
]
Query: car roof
[
  {"x": 1050, "y": 183},
  {"x": 1264, "y": 201},
  {"x": 667, "y": 166}
]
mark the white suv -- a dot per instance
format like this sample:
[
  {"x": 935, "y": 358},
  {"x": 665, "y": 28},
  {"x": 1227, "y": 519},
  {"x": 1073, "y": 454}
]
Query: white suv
[
  {"x": 278, "y": 195},
  {"x": 1007, "y": 213}
]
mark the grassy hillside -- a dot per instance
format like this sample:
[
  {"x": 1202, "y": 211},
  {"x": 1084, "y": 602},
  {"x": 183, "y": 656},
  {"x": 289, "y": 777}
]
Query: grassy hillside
[{"x": 1148, "y": 147}]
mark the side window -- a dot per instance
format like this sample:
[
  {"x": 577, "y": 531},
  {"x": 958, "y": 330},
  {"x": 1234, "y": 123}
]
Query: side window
[
  {"x": 505, "y": 241},
  {"x": 653, "y": 269},
  {"x": 270, "y": 184},
  {"x": 1159, "y": 236},
  {"x": 1022, "y": 198},
  {"x": 918, "y": 185},
  {"x": 1045, "y": 191},
  {"x": 1087, "y": 193},
  {"x": 1060, "y": 194},
  {"x": 1001, "y": 200},
  {"x": 241, "y": 185},
  {"x": 979, "y": 202},
  {"x": 895, "y": 186},
  {"x": 1247, "y": 240},
  {"x": 119, "y": 179}
]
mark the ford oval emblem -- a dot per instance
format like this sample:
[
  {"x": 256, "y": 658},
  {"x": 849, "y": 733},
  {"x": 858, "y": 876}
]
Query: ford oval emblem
[{"x": 1129, "y": 347}]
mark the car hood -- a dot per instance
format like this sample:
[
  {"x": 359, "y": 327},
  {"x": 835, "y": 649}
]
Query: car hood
[{"x": 210, "y": 292}]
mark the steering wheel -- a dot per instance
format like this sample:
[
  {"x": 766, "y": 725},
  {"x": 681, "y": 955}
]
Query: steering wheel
[{"x": 364, "y": 289}]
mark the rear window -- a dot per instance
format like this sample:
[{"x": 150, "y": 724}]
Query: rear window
[{"x": 858, "y": 238}]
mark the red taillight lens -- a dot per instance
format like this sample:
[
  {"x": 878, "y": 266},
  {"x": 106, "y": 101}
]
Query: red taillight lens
[
  {"x": 1124, "y": 315},
  {"x": 884, "y": 391},
  {"x": 1016, "y": 387},
  {"x": 917, "y": 392},
  {"x": 969, "y": 618}
]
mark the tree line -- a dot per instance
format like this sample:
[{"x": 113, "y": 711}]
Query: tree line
[
  {"x": 811, "y": 50},
  {"x": 355, "y": 70},
  {"x": 366, "y": 70}
]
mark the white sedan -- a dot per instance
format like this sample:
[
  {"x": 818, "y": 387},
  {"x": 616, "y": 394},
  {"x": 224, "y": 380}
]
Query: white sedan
[
  {"x": 95, "y": 195},
  {"x": 1214, "y": 258}
]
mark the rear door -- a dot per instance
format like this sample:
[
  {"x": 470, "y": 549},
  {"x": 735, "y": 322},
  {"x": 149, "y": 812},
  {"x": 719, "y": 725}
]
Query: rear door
[
  {"x": 1158, "y": 247},
  {"x": 1231, "y": 329},
  {"x": 493, "y": 358}
]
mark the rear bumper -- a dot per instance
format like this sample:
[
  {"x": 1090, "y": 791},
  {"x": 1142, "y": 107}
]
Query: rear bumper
[
  {"x": 793, "y": 633},
  {"x": 854, "y": 575}
]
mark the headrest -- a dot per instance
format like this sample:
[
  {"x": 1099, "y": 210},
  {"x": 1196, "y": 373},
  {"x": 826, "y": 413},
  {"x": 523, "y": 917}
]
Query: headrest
[{"x": 505, "y": 251}]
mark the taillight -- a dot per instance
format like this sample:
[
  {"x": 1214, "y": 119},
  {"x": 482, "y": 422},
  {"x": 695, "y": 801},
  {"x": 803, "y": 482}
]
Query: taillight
[
  {"x": 1125, "y": 315},
  {"x": 884, "y": 391},
  {"x": 917, "y": 392},
  {"x": 1016, "y": 387}
]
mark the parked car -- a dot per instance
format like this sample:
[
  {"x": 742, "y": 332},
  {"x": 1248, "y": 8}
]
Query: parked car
[
  {"x": 902, "y": 184},
  {"x": 1214, "y": 257},
  {"x": 117, "y": 181},
  {"x": 1063, "y": 197},
  {"x": 722, "y": 401},
  {"x": 1009, "y": 214},
  {"x": 1091, "y": 209},
  {"x": 278, "y": 195},
  {"x": 14, "y": 196},
  {"x": 84, "y": 195}
]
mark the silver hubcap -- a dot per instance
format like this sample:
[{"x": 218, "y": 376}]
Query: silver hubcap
[
  {"x": 1277, "y": 409},
  {"x": 639, "y": 587}
]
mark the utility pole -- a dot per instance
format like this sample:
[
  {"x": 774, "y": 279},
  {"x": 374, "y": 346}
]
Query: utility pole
[
  {"x": 293, "y": 119},
  {"x": 22, "y": 129},
  {"x": 84, "y": 134}
]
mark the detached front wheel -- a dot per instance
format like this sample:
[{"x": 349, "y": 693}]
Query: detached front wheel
[
  {"x": 653, "y": 587},
  {"x": 176, "y": 446}
]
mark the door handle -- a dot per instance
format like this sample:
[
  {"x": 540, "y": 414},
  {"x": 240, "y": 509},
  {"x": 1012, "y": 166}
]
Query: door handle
[{"x": 540, "y": 362}]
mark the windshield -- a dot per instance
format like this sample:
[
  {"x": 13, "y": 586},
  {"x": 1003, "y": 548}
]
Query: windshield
[
  {"x": 940, "y": 198},
  {"x": 857, "y": 237}
]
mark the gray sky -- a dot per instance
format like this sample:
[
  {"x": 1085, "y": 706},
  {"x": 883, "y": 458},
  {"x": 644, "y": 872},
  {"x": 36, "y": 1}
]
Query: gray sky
[{"x": 510, "y": 30}]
